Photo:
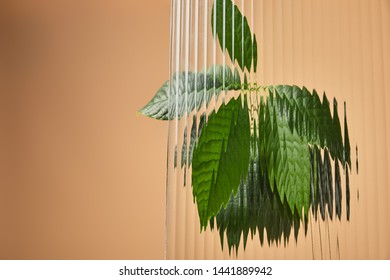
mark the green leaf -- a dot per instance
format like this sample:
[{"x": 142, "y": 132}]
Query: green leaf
[
  {"x": 337, "y": 190},
  {"x": 254, "y": 53},
  {"x": 288, "y": 157},
  {"x": 196, "y": 130},
  {"x": 347, "y": 193},
  {"x": 255, "y": 208},
  {"x": 221, "y": 158},
  {"x": 347, "y": 147},
  {"x": 312, "y": 118},
  {"x": 233, "y": 32},
  {"x": 189, "y": 89},
  {"x": 195, "y": 135}
]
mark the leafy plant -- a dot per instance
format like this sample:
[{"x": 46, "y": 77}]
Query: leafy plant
[
  {"x": 256, "y": 165},
  {"x": 224, "y": 140}
]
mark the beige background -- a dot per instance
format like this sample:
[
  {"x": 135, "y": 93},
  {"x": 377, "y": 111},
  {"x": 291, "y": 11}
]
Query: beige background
[{"x": 83, "y": 177}]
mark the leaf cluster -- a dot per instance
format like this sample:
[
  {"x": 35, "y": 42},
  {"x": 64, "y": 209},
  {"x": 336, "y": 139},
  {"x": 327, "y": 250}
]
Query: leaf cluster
[{"x": 257, "y": 166}]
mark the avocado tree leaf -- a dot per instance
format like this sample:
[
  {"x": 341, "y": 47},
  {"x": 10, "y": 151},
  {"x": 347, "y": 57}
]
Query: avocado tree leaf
[
  {"x": 220, "y": 158},
  {"x": 288, "y": 157},
  {"x": 189, "y": 90},
  {"x": 195, "y": 135},
  {"x": 233, "y": 32},
  {"x": 255, "y": 208},
  {"x": 254, "y": 53},
  {"x": 337, "y": 188},
  {"x": 196, "y": 130},
  {"x": 313, "y": 119},
  {"x": 347, "y": 147}
]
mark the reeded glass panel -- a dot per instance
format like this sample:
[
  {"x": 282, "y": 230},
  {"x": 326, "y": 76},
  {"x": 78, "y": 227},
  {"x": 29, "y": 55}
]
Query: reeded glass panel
[{"x": 278, "y": 129}]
